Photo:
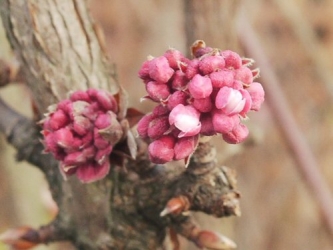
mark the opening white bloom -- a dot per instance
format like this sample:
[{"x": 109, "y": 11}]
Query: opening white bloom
[{"x": 186, "y": 119}]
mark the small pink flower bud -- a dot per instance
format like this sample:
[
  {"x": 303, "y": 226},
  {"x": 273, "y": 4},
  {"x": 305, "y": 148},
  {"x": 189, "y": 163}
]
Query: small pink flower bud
[
  {"x": 99, "y": 141},
  {"x": 232, "y": 59},
  {"x": 81, "y": 125},
  {"x": 80, "y": 95},
  {"x": 179, "y": 80},
  {"x": 162, "y": 150},
  {"x": 230, "y": 101},
  {"x": 158, "y": 126},
  {"x": 91, "y": 171},
  {"x": 192, "y": 68},
  {"x": 157, "y": 92},
  {"x": 222, "y": 78},
  {"x": 185, "y": 146},
  {"x": 75, "y": 146},
  {"x": 65, "y": 105},
  {"x": 200, "y": 86},
  {"x": 248, "y": 102},
  {"x": 144, "y": 71},
  {"x": 202, "y": 51},
  {"x": 178, "y": 97},
  {"x": 89, "y": 152},
  {"x": 76, "y": 108},
  {"x": 58, "y": 120},
  {"x": 103, "y": 121},
  {"x": 87, "y": 139},
  {"x": 159, "y": 69},
  {"x": 50, "y": 142},
  {"x": 207, "y": 127},
  {"x": 74, "y": 159},
  {"x": 237, "y": 85},
  {"x": 186, "y": 119},
  {"x": 237, "y": 135},
  {"x": 174, "y": 57},
  {"x": 204, "y": 105},
  {"x": 76, "y": 133},
  {"x": 223, "y": 123},
  {"x": 83, "y": 108},
  {"x": 64, "y": 137},
  {"x": 104, "y": 99},
  {"x": 102, "y": 154},
  {"x": 183, "y": 64},
  {"x": 160, "y": 110},
  {"x": 257, "y": 94},
  {"x": 244, "y": 74},
  {"x": 143, "y": 124},
  {"x": 211, "y": 64}
]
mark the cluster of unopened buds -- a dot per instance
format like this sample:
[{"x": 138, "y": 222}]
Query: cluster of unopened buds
[
  {"x": 207, "y": 95},
  {"x": 81, "y": 131}
]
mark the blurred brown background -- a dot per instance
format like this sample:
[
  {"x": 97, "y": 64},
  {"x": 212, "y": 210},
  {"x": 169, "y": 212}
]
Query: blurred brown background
[{"x": 278, "y": 210}]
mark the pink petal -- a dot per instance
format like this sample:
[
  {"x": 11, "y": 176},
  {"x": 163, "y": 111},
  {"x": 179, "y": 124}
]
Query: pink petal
[
  {"x": 159, "y": 69},
  {"x": 232, "y": 59},
  {"x": 80, "y": 95},
  {"x": 92, "y": 172},
  {"x": 160, "y": 110},
  {"x": 210, "y": 64},
  {"x": 58, "y": 119},
  {"x": 74, "y": 159},
  {"x": 200, "y": 86},
  {"x": 257, "y": 94},
  {"x": 174, "y": 57},
  {"x": 237, "y": 135},
  {"x": 230, "y": 101},
  {"x": 158, "y": 126},
  {"x": 64, "y": 137},
  {"x": 143, "y": 124},
  {"x": 192, "y": 68},
  {"x": 185, "y": 146},
  {"x": 186, "y": 119},
  {"x": 179, "y": 80},
  {"x": 157, "y": 92},
  {"x": 103, "y": 154},
  {"x": 103, "y": 121},
  {"x": 144, "y": 71},
  {"x": 99, "y": 141},
  {"x": 81, "y": 125},
  {"x": 178, "y": 97},
  {"x": 248, "y": 102},
  {"x": 104, "y": 99},
  {"x": 161, "y": 151},
  {"x": 203, "y": 105},
  {"x": 222, "y": 78},
  {"x": 223, "y": 123},
  {"x": 207, "y": 127},
  {"x": 244, "y": 74}
]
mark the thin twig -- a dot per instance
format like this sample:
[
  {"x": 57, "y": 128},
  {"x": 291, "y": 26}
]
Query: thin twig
[
  {"x": 23, "y": 134},
  {"x": 307, "y": 163}
]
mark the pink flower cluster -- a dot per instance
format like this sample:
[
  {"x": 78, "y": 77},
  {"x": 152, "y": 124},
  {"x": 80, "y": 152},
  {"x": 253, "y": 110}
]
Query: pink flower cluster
[
  {"x": 207, "y": 95},
  {"x": 75, "y": 132}
]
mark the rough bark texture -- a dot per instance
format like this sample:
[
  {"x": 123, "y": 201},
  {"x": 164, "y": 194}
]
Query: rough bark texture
[
  {"x": 59, "y": 46},
  {"x": 61, "y": 50}
]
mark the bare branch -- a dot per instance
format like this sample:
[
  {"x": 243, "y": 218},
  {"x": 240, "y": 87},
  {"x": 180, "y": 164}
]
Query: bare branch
[
  {"x": 58, "y": 47},
  {"x": 307, "y": 163}
]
